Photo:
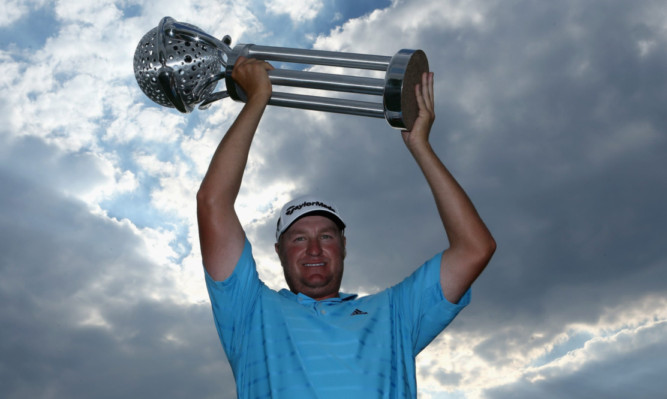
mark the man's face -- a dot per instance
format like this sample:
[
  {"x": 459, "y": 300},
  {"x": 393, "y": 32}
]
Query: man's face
[{"x": 311, "y": 252}]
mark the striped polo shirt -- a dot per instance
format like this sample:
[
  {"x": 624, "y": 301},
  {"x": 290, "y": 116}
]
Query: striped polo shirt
[{"x": 286, "y": 345}]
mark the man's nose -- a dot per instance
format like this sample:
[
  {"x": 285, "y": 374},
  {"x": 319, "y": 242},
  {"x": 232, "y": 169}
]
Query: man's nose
[{"x": 314, "y": 247}]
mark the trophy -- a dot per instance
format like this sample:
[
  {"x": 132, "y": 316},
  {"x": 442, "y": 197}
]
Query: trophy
[{"x": 178, "y": 65}]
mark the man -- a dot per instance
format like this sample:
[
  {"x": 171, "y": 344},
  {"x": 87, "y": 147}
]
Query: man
[{"x": 314, "y": 341}]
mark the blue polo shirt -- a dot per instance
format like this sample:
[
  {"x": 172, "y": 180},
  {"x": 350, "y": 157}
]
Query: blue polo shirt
[{"x": 282, "y": 345}]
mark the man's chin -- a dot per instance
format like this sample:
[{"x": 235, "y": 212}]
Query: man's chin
[
  {"x": 315, "y": 279},
  {"x": 319, "y": 291}
]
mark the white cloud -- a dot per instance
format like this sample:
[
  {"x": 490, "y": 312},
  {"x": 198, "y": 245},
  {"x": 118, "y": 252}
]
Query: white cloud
[
  {"x": 113, "y": 181},
  {"x": 12, "y": 10},
  {"x": 145, "y": 124},
  {"x": 218, "y": 18},
  {"x": 175, "y": 194},
  {"x": 99, "y": 13},
  {"x": 404, "y": 22},
  {"x": 298, "y": 10}
]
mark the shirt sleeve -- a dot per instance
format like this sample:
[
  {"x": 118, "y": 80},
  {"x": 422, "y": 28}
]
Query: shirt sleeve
[
  {"x": 233, "y": 301},
  {"x": 422, "y": 307}
]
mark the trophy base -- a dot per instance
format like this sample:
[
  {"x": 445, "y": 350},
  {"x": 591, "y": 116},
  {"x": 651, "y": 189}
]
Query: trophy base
[{"x": 404, "y": 73}]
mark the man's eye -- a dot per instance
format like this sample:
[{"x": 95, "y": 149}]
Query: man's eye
[{"x": 300, "y": 238}]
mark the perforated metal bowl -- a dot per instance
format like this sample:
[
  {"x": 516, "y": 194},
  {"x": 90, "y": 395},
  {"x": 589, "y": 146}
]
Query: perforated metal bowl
[{"x": 189, "y": 62}]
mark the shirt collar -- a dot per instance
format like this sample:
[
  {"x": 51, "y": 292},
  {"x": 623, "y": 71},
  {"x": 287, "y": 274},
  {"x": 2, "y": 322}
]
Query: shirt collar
[{"x": 305, "y": 299}]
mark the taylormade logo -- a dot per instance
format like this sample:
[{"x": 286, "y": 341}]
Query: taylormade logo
[{"x": 294, "y": 208}]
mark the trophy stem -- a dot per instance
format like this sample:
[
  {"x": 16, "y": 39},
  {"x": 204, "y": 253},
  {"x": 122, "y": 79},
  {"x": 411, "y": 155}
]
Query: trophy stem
[
  {"x": 328, "y": 104},
  {"x": 319, "y": 57},
  {"x": 326, "y": 81},
  {"x": 398, "y": 104}
]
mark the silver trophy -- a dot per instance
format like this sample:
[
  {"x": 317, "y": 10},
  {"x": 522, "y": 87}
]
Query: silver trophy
[{"x": 178, "y": 65}]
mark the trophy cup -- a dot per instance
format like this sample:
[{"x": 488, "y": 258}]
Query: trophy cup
[{"x": 178, "y": 65}]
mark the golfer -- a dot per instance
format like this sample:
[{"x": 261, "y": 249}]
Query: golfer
[{"x": 313, "y": 341}]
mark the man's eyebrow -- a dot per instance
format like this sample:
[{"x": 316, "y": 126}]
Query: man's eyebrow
[{"x": 301, "y": 230}]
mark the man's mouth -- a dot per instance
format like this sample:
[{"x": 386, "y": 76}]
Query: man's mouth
[{"x": 314, "y": 264}]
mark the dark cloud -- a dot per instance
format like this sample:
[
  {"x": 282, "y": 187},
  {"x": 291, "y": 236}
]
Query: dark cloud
[
  {"x": 560, "y": 150},
  {"x": 60, "y": 266},
  {"x": 551, "y": 118},
  {"x": 576, "y": 152}
]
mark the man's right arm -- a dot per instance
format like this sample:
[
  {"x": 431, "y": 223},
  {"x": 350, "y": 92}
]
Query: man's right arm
[{"x": 221, "y": 235}]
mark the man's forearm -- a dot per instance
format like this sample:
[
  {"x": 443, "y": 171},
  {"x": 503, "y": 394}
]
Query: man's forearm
[
  {"x": 220, "y": 232},
  {"x": 462, "y": 223},
  {"x": 223, "y": 178},
  {"x": 222, "y": 181}
]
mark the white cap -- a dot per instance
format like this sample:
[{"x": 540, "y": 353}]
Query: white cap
[{"x": 302, "y": 206}]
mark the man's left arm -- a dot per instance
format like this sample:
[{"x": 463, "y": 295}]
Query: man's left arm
[{"x": 470, "y": 242}]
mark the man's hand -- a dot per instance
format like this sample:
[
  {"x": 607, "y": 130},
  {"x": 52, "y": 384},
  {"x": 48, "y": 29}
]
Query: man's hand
[
  {"x": 417, "y": 138},
  {"x": 252, "y": 75}
]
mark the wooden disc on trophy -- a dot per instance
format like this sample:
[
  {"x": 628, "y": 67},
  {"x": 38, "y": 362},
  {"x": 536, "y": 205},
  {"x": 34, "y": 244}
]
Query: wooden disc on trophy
[
  {"x": 417, "y": 65},
  {"x": 404, "y": 73}
]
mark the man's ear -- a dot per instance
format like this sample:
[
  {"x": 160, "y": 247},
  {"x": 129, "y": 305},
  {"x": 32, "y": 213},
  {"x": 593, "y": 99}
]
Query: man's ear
[{"x": 344, "y": 247}]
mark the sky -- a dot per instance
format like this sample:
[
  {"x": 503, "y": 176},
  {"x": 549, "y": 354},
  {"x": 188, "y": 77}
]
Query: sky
[{"x": 551, "y": 115}]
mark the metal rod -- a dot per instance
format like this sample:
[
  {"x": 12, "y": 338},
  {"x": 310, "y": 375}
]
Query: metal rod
[
  {"x": 337, "y": 105},
  {"x": 326, "y": 81},
  {"x": 319, "y": 57}
]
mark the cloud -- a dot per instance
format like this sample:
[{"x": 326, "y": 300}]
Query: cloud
[
  {"x": 628, "y": 355},
  {"x": 298, "y": 11},
  {"x": 14, "y": 10},
  {"x": 85, "y": 309},
  {"x": 546, "y": 128},
  {"x": 549, "y": 115}
]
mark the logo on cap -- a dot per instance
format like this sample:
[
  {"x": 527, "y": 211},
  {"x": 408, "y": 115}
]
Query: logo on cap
[{"x": 294, "y": 208}]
